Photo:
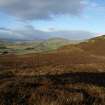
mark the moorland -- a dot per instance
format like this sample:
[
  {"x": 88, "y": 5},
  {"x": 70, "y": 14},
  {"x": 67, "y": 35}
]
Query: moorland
[{"x": 69, "y": 74}]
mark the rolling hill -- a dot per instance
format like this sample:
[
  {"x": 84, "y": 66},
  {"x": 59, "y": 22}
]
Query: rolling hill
[
  {"x": 74, "y": 72},
  {"x": 23, "y": 47},
  {"x": 83, "y": 57},
  {"x": 94, "y": 46}
]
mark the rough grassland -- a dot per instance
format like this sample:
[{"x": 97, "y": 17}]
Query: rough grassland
[{"x": 71, "y": 75}]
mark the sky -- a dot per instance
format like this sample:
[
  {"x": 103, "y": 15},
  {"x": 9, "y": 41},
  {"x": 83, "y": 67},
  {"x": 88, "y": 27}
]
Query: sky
[{"x": 42, "y": 19}]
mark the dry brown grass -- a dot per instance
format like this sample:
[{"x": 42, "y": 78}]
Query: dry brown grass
[{"x": 32, "y": 79}]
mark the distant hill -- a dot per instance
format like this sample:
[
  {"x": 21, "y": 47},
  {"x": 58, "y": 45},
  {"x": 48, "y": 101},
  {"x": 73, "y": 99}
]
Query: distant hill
[
  {"x": 22, "y": 47},
  {"x": 95, "y": 46},
  {"x": 55, "y": 43}
]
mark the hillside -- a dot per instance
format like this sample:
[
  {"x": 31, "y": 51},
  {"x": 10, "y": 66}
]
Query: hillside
[
  {"x": 73, "y": 74},
  {"x": 95, "y": 46},
  {"x": 83, "y": 57}
]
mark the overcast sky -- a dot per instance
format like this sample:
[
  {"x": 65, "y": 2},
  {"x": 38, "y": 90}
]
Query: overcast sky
[{"x": 41, "y": 19}]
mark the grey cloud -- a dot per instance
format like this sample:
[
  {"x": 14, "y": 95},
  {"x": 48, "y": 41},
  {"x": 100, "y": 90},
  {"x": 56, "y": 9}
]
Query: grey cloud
[
  {"x": 25, "y": 33},
  {"x": 41, "y": 9},
  {"x": 29, "y": 33}
]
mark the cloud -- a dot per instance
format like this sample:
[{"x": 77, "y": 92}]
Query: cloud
[
  {"x": 95, "y": 6},
  {"x": 29, "y": 33},
  {"x": 41, "y": 9},
  {"x": 23, "y": 33}
]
